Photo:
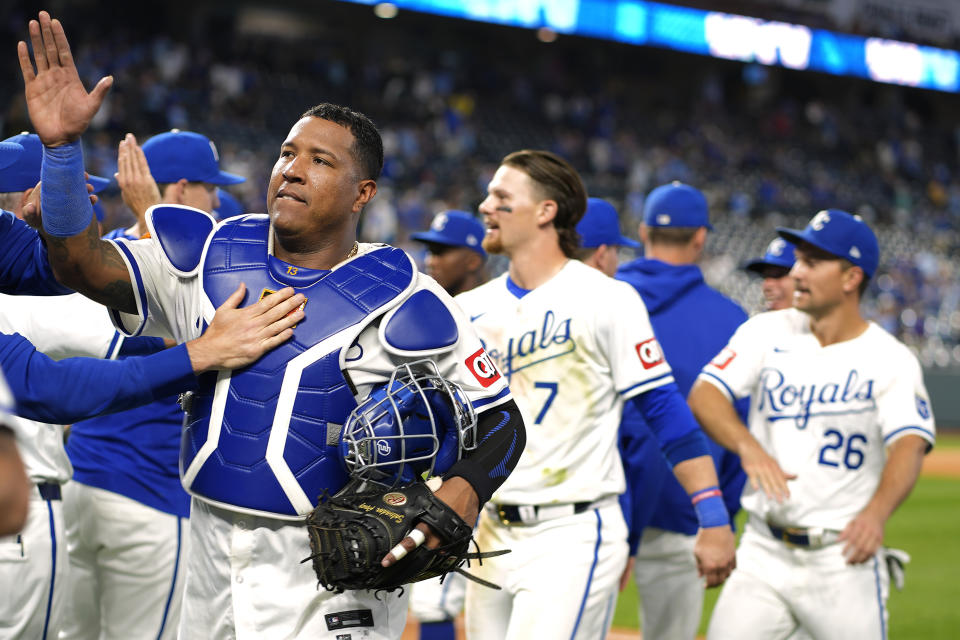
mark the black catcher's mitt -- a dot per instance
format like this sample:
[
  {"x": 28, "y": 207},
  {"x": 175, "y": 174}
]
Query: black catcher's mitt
[{"x": 351, "y": 532}]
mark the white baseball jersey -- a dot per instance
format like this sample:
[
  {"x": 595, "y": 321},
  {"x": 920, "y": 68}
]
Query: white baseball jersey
[
  {"x": 573, "y": 349},
  {"x": 826, "y": 414},
  {"x": 60, "y": 327}
]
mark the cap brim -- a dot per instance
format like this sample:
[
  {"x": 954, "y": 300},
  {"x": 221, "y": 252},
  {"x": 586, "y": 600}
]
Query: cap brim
[
  {"x": 432, "y": 237},
  {"x": 627, "y": 242},
  {"x": 226, "y": 178},
  {"x": 99, "y": 184},
  {"x": 796, "y": 237},
  {"x": 757, "y": 265}
]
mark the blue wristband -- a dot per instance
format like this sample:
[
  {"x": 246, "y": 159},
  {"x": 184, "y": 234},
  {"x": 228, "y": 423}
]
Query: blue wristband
[
  {"x": 64, "y": 202},
  {"x": 711, "y": 511}
]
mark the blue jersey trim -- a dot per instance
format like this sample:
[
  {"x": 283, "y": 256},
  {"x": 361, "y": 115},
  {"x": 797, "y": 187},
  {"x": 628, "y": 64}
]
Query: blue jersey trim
[
  {"x": 647, "y": 383},
  {"x": 144, "y": 311},
  {"x": 586, "y": 591},
  {"x": 53, "y": 568},
  {"x": 113, "y": 345},
  {"x": 887, "y": 437},
  {"x": 173, "y": 583},
  {"x": 516, "y": 289},
  {"x": 876, "y": 576},
  {"x": 730, "y": 393},
  {"x": 478, "y": 405}
]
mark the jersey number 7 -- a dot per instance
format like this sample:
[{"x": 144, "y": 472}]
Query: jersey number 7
[{"x": 551, "y": 387}]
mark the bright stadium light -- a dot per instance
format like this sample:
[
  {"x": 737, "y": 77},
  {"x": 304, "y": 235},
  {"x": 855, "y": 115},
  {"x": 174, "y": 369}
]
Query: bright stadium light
[
  {"x": 545, "y": 34},
  {"x": 385, "y": 10}
]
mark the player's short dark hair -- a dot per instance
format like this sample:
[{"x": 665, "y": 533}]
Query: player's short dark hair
[
  {"x": 367, "y": 146},
  {"x": 671, "y": 236},
  {"x": 559, "y": 182}
]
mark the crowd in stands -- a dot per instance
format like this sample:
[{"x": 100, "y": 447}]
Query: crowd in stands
[{"x": 767, "y": 146}]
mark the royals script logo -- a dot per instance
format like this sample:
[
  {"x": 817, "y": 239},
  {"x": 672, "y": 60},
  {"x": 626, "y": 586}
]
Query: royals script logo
[
  {"x": 548, "y": 341},
  {"x": 783, "y": 400}
]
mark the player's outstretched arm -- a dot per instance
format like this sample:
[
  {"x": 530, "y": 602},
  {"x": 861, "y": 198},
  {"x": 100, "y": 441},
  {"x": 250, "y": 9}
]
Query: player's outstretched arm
[
  {"x": 720, "y": 421},
  {"x": 715, "y": 548},
  {"x": 61, "y": 110},
  {"x": 864, "y": 534},
  {"x": 79, "y": 388}
]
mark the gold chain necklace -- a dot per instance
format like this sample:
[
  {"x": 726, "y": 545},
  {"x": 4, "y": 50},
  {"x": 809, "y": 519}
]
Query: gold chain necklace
[{"x": 353, "y": 252}]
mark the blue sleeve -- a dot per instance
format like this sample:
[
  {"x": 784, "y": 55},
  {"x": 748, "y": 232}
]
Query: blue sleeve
[
  {"x": 645, "y": 472},
  {"x": 668, "y": 415},
  {"x": 24, "y": 269},
  {"x": 140, "y": 346},
  {"x": 75, "y": 389}
]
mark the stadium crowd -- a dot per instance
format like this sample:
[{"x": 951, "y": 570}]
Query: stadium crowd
[{"x": 767, "y": 146}]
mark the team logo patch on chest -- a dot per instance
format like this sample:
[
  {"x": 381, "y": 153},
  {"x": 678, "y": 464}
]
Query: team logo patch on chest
[{"x": 267, "y": 292}]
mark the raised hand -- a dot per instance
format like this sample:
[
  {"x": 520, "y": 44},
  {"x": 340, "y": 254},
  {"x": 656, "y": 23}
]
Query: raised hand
[
  {"x": 60, "y": 108},
  {"x": 137, "y": 186}
]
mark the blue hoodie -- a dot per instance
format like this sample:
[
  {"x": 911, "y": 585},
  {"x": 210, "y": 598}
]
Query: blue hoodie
[{"x": 692, "y": 322}]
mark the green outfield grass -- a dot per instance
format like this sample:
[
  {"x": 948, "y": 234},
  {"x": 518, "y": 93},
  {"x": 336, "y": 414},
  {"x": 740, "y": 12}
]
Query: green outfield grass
[
  {"x": 948, "y": 439},
  {"x": 928, "y": 527}
]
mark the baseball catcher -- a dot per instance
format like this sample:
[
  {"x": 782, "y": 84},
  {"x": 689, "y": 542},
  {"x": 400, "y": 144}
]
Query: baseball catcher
[{"x": 414, "y": 427}]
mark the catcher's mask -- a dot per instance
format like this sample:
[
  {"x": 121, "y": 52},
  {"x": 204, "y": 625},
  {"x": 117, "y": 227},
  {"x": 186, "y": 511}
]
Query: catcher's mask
[{"x": 415, "y": 423}]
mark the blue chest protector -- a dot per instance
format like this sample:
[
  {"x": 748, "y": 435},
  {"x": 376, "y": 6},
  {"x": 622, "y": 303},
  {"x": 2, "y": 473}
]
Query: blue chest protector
[{"x": 264, "y": 438}]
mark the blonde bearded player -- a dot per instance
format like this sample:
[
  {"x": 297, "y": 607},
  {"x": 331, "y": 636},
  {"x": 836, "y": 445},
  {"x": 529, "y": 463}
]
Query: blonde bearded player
[
  {"x": 839, "y": 409},
  {"x": 575, "y": 346}
]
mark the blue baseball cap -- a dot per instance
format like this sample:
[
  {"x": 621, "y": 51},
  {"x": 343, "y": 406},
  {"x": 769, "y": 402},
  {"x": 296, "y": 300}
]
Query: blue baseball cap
[
  {"x": 454, "y": 229},
  {"x": 841, "y": 234},
  {"x": 99, "y": 184},
  {"x": 9, "y": 152},
  {"x": 676, "y": 205},
  {"x": 600, "y": 224},
  {"x": 229, "y": 206},
  {"x": 184, "y": 155},
  {"x": 24, "y": 172},
  {"x": 779, "y": 254}
]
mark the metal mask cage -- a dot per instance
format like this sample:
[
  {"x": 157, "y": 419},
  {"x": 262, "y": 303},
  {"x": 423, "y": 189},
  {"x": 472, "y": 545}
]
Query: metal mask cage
[{"x": 385, "y": 442}]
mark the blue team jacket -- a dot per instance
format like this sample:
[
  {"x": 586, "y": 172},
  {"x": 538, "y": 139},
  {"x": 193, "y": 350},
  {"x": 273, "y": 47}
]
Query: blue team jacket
[
  {"x": 692, "y": 322},
  {"x": 134, "y": 453},
  {"x": 24, "y": 269}
]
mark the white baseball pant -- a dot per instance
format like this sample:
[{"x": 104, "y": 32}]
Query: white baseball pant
[
  {"x": 245, "y": 580},
  {"x": 777, "y": 589},
  {"x": 33, "y": 573},
  {"x": 126, "y": 567},
  {"x": 560, "y": 579}
]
